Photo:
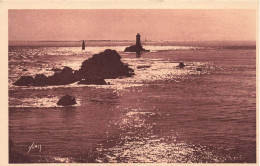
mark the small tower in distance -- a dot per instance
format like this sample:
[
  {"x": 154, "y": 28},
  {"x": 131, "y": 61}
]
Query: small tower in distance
[
  {"x": 138, "y": 39},
  {"x": 83, "y": 45}
]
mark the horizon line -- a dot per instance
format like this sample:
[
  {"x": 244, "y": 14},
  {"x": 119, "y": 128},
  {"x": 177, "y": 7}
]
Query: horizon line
[{"x": 130, "y": 40}]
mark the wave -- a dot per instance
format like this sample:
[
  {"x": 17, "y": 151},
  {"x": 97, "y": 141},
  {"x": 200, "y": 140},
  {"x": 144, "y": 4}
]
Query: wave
[{"x": 37, "y": 102}]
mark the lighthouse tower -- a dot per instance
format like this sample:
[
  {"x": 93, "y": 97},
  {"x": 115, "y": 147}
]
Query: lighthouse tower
[{"x": 138, "y": 40}]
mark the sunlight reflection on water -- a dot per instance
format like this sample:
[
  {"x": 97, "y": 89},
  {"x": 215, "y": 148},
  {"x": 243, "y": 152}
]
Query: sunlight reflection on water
[
  {"x": 161, "y": 114},
  {"x": 138, "y": 142}
]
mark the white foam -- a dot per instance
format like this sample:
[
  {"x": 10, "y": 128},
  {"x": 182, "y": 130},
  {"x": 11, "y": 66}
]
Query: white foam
[{"x": 37, "y": 102}]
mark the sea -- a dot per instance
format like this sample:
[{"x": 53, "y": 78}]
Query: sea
[{"x": 202, "y": 113}]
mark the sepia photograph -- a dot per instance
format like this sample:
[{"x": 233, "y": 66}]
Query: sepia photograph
[{"x": 132, "y": 85}]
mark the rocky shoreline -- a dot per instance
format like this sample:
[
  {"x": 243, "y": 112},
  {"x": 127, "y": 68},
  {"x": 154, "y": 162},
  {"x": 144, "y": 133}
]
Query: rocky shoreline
[{"x": 94, "y": 70}]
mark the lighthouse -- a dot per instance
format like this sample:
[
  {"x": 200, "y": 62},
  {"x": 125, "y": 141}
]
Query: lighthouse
[
  {"x": 138, "y": 40},
  {"x": 137, "y": 47}
]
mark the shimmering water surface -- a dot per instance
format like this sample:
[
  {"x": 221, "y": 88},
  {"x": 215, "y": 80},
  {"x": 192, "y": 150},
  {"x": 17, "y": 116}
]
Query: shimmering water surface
[{"x": 205, "y": 112}]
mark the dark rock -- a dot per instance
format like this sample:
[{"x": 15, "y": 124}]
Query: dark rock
[
  {"x": 135, "y": 48},
  {"x": 199, "y": 69},
  {"x": 181, "y": 65},
  {"x": 94, "y": 70},
  {"x": 40, "y": 80},
  {"x": 24, "y": 81},
  {"x": 25, "y": 70},
  {"x": 67, "y": 101},
  {"x": 56, "y": 69},
  {"x": 93, "y": 80},
  {"x": 105, "y": 65},
  {"x": 66, "y": 70},
  {"x": 63, "y": 77},
  {"x": 143, "y": 66}
]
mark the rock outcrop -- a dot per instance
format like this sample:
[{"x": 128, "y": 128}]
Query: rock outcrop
[
  {"x": 24, "y": 81},
  {"x": 67, "y": 100},
  {"x": 199, "y": 69},
  {"x": 93, "y": 80},
  {"x": 135, "y": 48},
  {"x": 62, "y": 77},
  {"x": 105, "y": 65},
  {"x": 41, "y": 80},
  {"x": 181, "y": 65}
]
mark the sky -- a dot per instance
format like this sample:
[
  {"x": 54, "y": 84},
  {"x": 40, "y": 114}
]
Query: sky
[{"x": 116, "y": 24}]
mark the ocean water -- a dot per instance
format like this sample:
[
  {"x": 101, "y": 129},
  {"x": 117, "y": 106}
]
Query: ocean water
[{"x": 203, "y": 113}]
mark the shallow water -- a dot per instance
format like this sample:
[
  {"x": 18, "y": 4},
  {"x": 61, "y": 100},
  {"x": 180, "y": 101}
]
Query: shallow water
[{"x": 161, "y": 114}]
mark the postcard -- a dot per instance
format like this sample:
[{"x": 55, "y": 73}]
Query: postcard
[{"x": 160, "y": 82}]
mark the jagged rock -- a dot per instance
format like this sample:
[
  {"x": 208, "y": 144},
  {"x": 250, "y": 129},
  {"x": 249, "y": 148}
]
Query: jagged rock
[
  {"x": 63, "y": 77},
  {"x": 67, "y": 100},
  {"x": 181, "y": 65},
  {"x": 105, "y": 65},
  {"x": 60, "y": 77},
  {"x": 93, "y": 80},
  {"x": 24, "y": 81},
  {"x": 94, "y": 70}
]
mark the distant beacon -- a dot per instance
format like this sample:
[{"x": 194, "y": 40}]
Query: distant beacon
[
  {"x": 83, "y": 45},
  {"x": 138, "y": 39},
  {"x": 137, "y": 47}
]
